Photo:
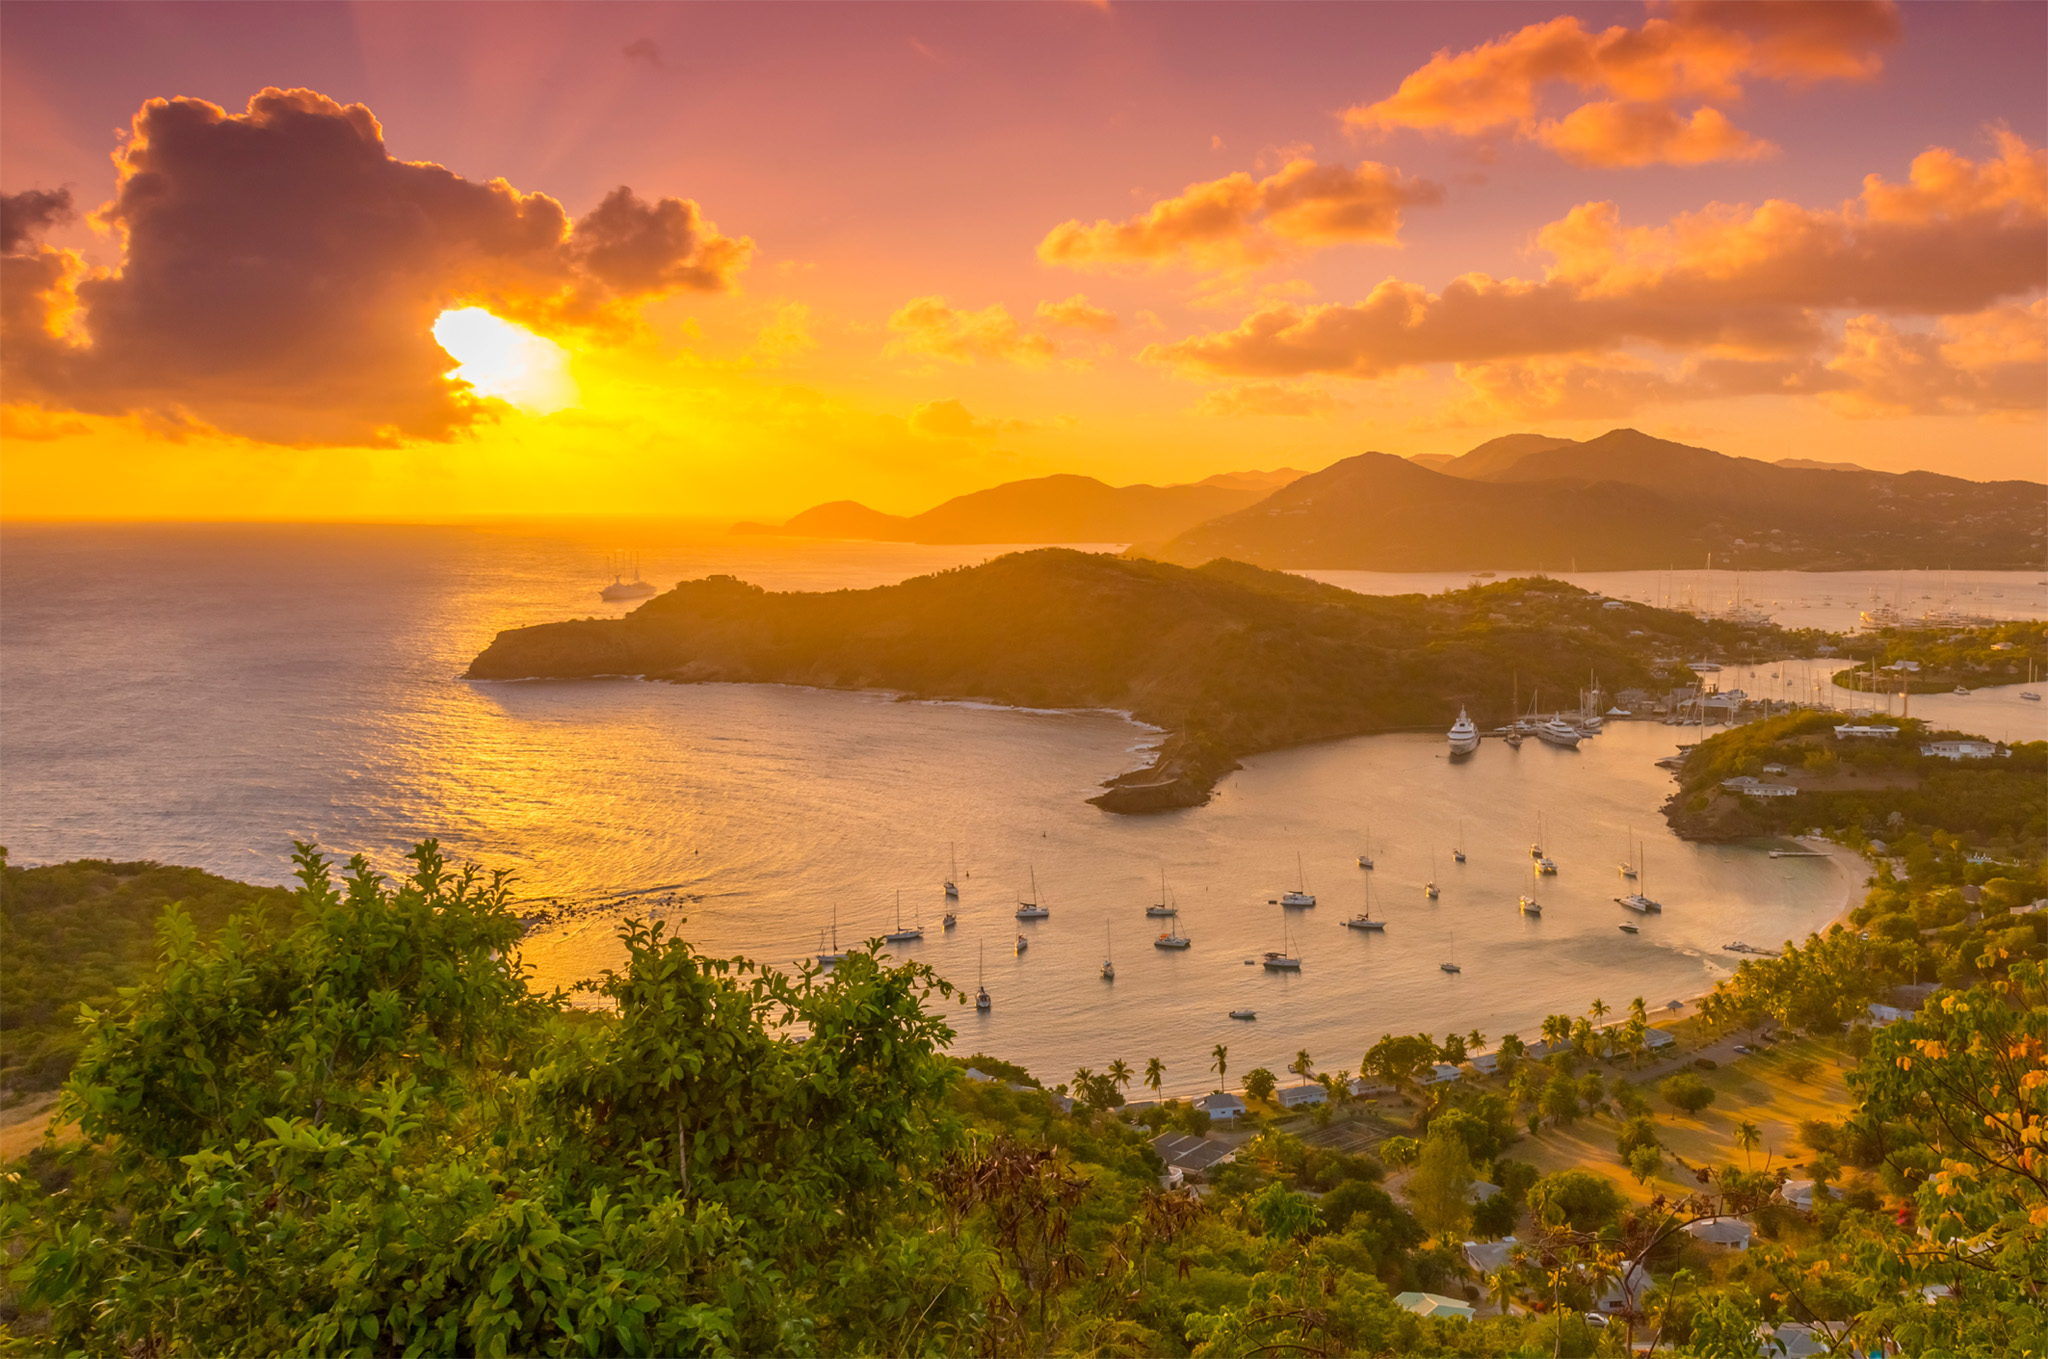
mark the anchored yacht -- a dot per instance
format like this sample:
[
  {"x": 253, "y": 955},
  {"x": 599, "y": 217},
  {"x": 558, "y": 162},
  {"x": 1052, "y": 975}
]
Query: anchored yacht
[{"x": 1464, "y": 737}]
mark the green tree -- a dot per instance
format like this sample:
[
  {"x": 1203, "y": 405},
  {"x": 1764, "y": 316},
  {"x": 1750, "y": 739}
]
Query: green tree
[
  {"x": 1220, "y": 1063},
  {"x": 1259, "y": 1083},
  {"x": 1441, "y": 1186},
  {"x": 1686, "y": 1092},
  {"x": 1644, "y": 1162},
  {"x": 1120, "y": 1072},
  {"x": 1747, "y": 1136},
  {"x": 1302, "y": 1064},
  {"x": 1578, "y": 1199},
  {"x": 1283, "y": 1214},
  {"x": 1155, "y": 1075}
]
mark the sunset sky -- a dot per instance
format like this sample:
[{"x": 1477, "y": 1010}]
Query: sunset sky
[{"x": 718, "y": 260}]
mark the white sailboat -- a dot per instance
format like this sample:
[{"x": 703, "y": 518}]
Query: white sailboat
[
  {"x": 981, "y": 1000},
  {"x": 1458, "y": 850},
  {"x": 900, "y": 935},
  {"x": 621, "y": 588},
  {"x": 953, "y": 878},
  {"x": 1639, "y": 900},
  {"x": 1451, "y": 964},
  {"x": 1463, "y": 736},
  {"x": 1300, "y": 895},
  {"x": 1282, "y": 959},
  {"x": 1531, "y": 906},
  {"x": 1030, "y": 909},
  {"x": 1166, "y": 907},
  {"x": 835, "y": 957},
  {"x": 1363, "y": 920},
  {"x": 1365, "y": 859},
  {"x": 1173, "y": 938},
  {"x": 1628, "y": 866},
  {"x": 1108, "y": 958},
  {"x": 1429, "y": 888}
]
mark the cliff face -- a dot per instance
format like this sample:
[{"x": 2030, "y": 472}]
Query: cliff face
[{"x": 1228, "y": 658}]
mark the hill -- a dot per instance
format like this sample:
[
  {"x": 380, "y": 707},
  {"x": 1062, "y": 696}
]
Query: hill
[
  {"x": 1622, "y": 501},
  {"x": 1055, "y": 509},
  {"x": 1230, "y": 659},
  {"x": 74, "y": 933}
]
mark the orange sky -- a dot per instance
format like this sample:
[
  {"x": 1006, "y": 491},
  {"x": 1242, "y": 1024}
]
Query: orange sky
[{"x": 743, "y": 259}]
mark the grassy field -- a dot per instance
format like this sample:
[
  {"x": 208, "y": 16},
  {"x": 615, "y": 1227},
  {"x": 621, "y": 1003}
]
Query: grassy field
[{"x": 1764, "y": 1089}]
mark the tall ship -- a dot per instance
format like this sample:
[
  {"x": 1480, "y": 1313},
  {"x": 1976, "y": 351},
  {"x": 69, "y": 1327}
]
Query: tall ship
[
  {"x": 1464, "y": 736},
  {"x": 621, "y": 588}
]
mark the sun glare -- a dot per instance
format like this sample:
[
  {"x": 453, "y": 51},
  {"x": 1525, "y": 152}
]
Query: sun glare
[{"x": 507, "y": 361}]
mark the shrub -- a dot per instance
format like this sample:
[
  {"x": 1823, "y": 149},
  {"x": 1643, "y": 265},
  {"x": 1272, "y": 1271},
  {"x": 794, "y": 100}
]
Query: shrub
[
  {"x": 1637, "y": 1133},
  {"x": 1577, "y": 1198},
  {"x": 1686, "y": 1092}
]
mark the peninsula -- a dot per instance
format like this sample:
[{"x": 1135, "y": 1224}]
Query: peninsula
[{"x": 1228, "y": 659}]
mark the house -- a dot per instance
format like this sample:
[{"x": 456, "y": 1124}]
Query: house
[
  {"x": 1221, "y": 1105},
  {"x": 1615, "y": 604},
  {"x": 1487, "y": 1063},
  {"x": 976, "y": 1075},
  {"x": 1441, "y": 1072},
  {"x": 1487, "y": 1257},
  {"x": 1481, "y": 1191},
  {"x": 1853, "y": 732},
  {"x": 1137, "y": 1106},
  {"x": 1903, "y": 667},
  {"x": 1887, "y": 1014},
  {"x": 1361, "y": 1088},
  {"x": 1729, "y": 1233},
  {"x": 1774, "y": 769},
  {"x": 1624, "y": 1294},
  {"x": 1657, "y": 1039},
  {"x": 1434, "y": 1305},
  {"x": 1301, "y": 1096},
  {"x": 1749, "y": 787},
  {"x": 1800, "y": 1193},
  {"x": 1910, "y": 997},
  {"x": 1801, "y": 1339},
  {"x": 1965, "y": 750},
  {"x": 1185, "y": 1153}
]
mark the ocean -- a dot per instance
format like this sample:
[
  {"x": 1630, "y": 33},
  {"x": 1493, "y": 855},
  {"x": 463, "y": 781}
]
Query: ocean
[{"x": 205, "y": 694}]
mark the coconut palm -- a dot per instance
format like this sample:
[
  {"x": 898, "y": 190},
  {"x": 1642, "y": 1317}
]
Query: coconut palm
[
  {"x": 1120, "y": 1073},
  {"x": 1221, "y": 1063},
  {"x": 1638, "y": 1011},
  {"x": 1474, "y": 1041},
  {"x": 1747, "y": 1136},
  {"x": 1302, "y": 1064},
  {"x": 1599, "y": 1009},
  {"x": 1155, "y": 1075}
]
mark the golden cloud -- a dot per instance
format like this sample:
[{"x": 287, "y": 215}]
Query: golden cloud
[
  {"x": 1078, "y": 313},
  {"x": 281, "y": 273},
  {"x": 952, "y": 420},
  {"x": 933, "y": 328},
  {"x": 1238, "y": 222},
  {"x": 1959, "y": 236},
  {"x": 1703, "y": 51},
  {"x": 1269, "y": 398}
]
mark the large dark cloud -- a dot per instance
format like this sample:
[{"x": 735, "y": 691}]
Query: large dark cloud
[
  {"x": 30, "y": 213},
  {"x": 281, "y": 273}
]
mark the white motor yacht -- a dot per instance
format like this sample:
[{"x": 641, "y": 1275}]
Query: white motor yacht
[
  {"x": 1555, "y": 731},
  {"x": 1464, "y": 736}
]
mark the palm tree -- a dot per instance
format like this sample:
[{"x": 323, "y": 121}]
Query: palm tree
[
  {"x": 1638, "y": 1011},
  {"x": 1474, "y": 1041},
  {"x": 1302, "y": 1064},
  {"x": 1155, "y": 1075},
  {"x": 1599, "y": 1009},
  {"x": 1556, "y": 1028},
  {"x": 1119, "y": 1073},
  {"x": 1747, "y": 1135},
  {"x": 1082, "y": 1075},
  {"x": 1221, "y": 1064}
]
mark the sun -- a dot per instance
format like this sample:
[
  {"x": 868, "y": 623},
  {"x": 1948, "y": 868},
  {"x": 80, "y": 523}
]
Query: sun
[{"x": 510, "y": 362}]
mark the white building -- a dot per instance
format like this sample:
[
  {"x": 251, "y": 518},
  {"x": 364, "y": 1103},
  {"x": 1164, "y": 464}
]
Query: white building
[
  {"x": 1964, "y": 750},
  {"x": 1854, "y": 732},
  {"x": 1485, "y": 1257},
  {"x": 1221, "y": 1105},
  {"x": 1749, "y": 787},
  {"x": 1301, "y": 1096},
  {"x": 1434, "y": 1305},
  {"x": 1443, "y": 1071},
  {"x": 1729, "y": 1233}
]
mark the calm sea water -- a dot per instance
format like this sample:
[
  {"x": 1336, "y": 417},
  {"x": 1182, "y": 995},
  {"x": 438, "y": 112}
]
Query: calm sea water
[{"x": 205, "y": 694}]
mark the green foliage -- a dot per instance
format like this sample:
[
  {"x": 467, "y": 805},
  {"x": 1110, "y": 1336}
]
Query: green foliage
[
  {"x": 1686, "y": 1092},
  {"x": 1441, "y": 1186},
  {"x": 1259, "y": 1083},
  {"x": 72, "y": 934},
  {"x": 1579, "y": 1199}
]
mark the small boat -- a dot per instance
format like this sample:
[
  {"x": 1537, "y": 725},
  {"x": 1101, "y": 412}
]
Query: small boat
[
  {"x": 1531, "y": 906},
  {"x": 949, "y": 920},
  {"x": 1637, "y": 900},
  {"x": 1464, "y": 737},
  {"x": 1546, "y": 866},
  {"x": 1458, "y": 854},
  {"x": 1626, "y": 928},
  {"x": 1173, "y": 938},
  {"x": 1281, "y": 959},
  {"x": 953, "y": 878},
  {"x": 1108, "y": 960},
  {"x": 1959, "y": 689},
  {"x": 900, "y": 935},
  {"x": 835, "y": 957},
  {"x": 1362, "y": 921},
  {"x": 981, "y": 1000},
  {"x": 1165, "y": 907},
  {"x": 1030, "y": 909},
  {"x": 1627, "y": 868},
  {"x": 1300, "y": 895},
  {"x": 1451, "y": 965},
  {"x": 1022, "y": 943},
  {"x": 1244, "y": 1014},
  {"x": 2030, "y": 696},
  {"x": 1513, "y": 740}
]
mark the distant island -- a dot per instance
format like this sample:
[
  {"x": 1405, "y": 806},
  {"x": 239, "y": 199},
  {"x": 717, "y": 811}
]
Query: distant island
[
  {"x": 1228, "y": 659},
  {"x": 1623, "y": 501},
  {"x": 1055, "y": 509}
]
